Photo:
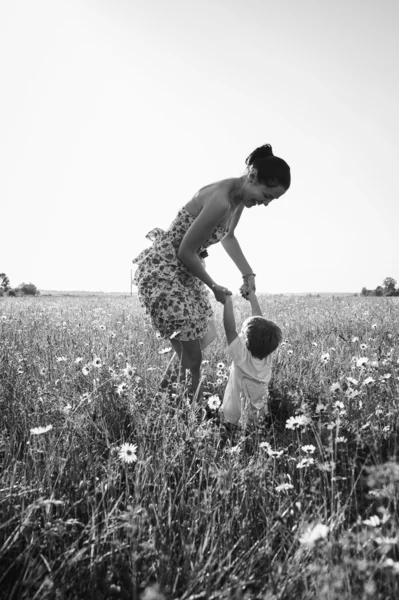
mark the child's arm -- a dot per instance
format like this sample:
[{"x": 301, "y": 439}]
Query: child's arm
[
  {"x": 256, "y": 309},
  {"x": 229, "y": 321}
]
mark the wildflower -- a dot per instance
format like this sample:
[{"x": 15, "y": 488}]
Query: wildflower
[
  {"x": 351, "y": 393},
  {"x": 235, "y": 450},
  {"x": 352, "y": 380},
  {"x": 102, "y": 327},
  {"x": 360, "y": 362},
  {"x": 314, "y": 344},
  {"x": 78, "y": 360},
  {"x": 85, "y": 397},
  {"x": 335, "y": 387},
  {"x": 128, "y": 371},
  {"x": 164, "y": 350},
  {"x": 219, "y": 373},
  {"x": 341, "y": 440},
  {"x": 298, "y": 421},
  {"x": 363, "y": 346},
  {"x": 158, "y": 335},
  {"x": 205, "y": 362},
  {"x": 390, "y": 563},
  {"x": 313, "y": 534},
  {"x": 305, "y": 462},
  {"x": 112, "y": 335},
  {"x": 269, "y": 450},
  {"x": 3, "y": 318},
  {"x": 332, "y": 349},
  {"x": 325, "y": 358},
  {"x": 220, "y": 365},
  {"x": 67, "y": 408},
  {"x": 86, "y": 370},
  {"x": 374, "y": 326},
  {"x": 284, "y": 487},
  {"x": 127, "y": 453},
  {"x": 386, "y": 376},
  {"x": 368, "y": 380},
  {"x": 214, "y": 402},
  {"x": 61, "y": 359},
  {"x": 340, "y": 405},
  {"x": 42, "y": 371},
  {"x": 112, "y": 372},
  {"x": 320, "y": 407},
  {"x": 97, "y": 362},
  {"x": 309, "y": 449},
  {"x": 355, "y": 339},
  {"x": 373, "y": 521},
  {"x": 290, "y": 352},
  {"x": 40, "y": 430},
  {"x": 121, "y": 389}
]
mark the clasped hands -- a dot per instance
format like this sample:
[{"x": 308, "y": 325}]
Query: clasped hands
[{"x": 221, "y": 293}]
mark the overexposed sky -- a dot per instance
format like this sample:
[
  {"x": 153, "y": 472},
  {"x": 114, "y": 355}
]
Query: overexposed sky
[{"x": 113, "y": 113}]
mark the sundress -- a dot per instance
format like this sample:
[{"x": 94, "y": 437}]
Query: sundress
[{"x": 176, "y": 301}]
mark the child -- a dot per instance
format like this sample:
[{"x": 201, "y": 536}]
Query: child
[{"x": 246, "y": 394}]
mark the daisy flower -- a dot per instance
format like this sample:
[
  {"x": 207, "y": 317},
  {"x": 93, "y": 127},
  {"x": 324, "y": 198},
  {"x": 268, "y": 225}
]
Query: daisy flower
[
  {"x": 40, "y": 430},
  {"x": 305, "y": 462},
  {"x": 363, "y": 360},
  {"x": 313, "y": 534},
  {"x": 127, "y": 453},
  {"x": 325, "y": 357},
  {"x": 164, "y": 350},
  {"x": 121, "y": 389},
  {"x": 284, "y": 487},
  {"x": 309, "y": 449},
  {"x": 335, "y": 387},
  {"x": 298, "y": 421},
  {"x": 86, "y": 370},
  {"x": 128, "y": 371},
  {"x": 214, "y": 402},
  {"x": 78, "y": 360},
  {"x": 220, "y": 365},
  {"x": 97, "y": 362}
]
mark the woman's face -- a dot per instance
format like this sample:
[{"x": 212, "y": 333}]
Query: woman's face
[{"x": 258, "y": 194}]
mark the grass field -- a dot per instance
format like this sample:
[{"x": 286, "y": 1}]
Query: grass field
[{"x": 305, "y": 507}]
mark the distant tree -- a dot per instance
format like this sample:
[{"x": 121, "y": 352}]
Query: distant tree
[
  {"x": 4, "y": 282},
  {"x": 379, "y": 291},
  {"x": 28, "y": 289},
  {"x": 364, "y": 292},
  {"x": 389, "y": 284}
]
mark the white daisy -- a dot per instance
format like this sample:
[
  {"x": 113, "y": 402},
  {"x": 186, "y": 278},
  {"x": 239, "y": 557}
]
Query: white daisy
[
  {"x": 40, "y": 430},
  {"x": 128, "y": 453}
]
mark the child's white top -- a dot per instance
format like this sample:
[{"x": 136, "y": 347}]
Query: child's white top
[{"x": 249, "y": 378}]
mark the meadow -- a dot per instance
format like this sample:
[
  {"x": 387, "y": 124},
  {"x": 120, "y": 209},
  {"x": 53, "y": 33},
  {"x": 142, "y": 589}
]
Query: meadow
[{"x": 111, "y": 488}]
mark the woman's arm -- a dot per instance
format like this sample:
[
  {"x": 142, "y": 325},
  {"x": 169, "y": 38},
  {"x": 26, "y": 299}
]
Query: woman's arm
[
  {"x": 232, "y": 247},
  {"x": 198, "y": 233}
]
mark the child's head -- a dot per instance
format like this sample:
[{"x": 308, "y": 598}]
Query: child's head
[{"x": 262, "y": 337}]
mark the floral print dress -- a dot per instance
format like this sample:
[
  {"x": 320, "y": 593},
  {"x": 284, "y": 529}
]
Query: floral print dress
[{"x": 177, "y": 301}]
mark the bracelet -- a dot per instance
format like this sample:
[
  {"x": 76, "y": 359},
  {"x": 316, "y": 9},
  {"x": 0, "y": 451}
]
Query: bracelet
[{"x": 248, "y": 275}]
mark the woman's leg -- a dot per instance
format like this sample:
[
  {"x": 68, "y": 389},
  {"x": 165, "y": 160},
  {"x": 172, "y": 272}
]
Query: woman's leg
[{"x": 190, "y": 357}]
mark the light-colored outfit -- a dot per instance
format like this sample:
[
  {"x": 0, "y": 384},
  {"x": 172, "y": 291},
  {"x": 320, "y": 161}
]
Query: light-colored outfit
[{"x": 246, "y": 392}]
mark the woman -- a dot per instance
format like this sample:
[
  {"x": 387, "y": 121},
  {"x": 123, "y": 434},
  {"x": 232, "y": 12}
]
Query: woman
[{"x": 171, "y": 276}]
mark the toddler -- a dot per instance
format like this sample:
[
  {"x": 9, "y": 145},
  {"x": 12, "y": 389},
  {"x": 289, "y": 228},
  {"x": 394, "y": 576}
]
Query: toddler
[{"x": 246, "y": 395}]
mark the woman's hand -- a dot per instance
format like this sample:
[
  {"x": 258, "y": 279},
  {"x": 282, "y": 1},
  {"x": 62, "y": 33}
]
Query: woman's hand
[
  {"x": 221, "y": 293},
  {"x": 248, "y": 285}
]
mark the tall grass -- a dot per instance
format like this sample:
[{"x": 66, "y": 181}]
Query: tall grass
[{"x": 304, "y": 507}]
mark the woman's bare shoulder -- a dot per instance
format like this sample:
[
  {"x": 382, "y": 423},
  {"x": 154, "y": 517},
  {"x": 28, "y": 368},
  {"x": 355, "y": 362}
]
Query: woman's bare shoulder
[{"x": 212, "y": 195}]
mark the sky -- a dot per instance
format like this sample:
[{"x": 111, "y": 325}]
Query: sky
[{"x": 114, "y": 113}]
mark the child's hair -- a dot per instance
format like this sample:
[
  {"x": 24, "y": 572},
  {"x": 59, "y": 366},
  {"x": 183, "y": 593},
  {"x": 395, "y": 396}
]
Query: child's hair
[{"x": 262, "y": 337}]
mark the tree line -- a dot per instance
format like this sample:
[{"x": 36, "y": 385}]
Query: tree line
[
  {"x": 24, "y": 289},
  {"x": 388, "y": 288}
]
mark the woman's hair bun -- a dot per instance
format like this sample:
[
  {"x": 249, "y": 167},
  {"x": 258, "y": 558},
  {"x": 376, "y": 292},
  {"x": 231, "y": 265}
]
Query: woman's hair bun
[{"x": 261, "y": 152}]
